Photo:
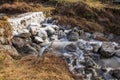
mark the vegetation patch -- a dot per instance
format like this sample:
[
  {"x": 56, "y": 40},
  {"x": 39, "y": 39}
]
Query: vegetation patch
[{"x": 103, "y": 19}]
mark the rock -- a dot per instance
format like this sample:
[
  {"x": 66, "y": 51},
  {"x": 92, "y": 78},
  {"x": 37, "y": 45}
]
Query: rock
[
  {"x": 43, "y": 34},
  {"x": 99, "y": 36},
  {"x": 72, "y": 36},
  {"x": 113, "y": 62},
  {"x": 50, "y": 31},
  {"x": 84, "y": 45},
  {"x": 117, "y": 53},
  {"x": 117, "y": 47},
  {"x": 23, "y": 46},
  {"x": 36, "y": 46},
  {"x": 55, "y": 27},
  {"x": 18, "y": 42},
  {"x": 95, "y": 34},
  {"x": 71, "y": 48},
  {"x": 108, "y": 49},
  {"x": 61, "y": 34},
  {"x": 53, "y": 37},
  {"x": 96, "y": 45},
  {"x": 110, "y": 36},
  {"x": 33, "y": 29},
  {"x": 49, "y": 20},
  {"x": 108, "y": 76},
  {"x": 38, "y": 39},
  {"x": 116, "y": 73},
  {"x": 23, "y": 31},
  {"x": 27, "y": 49},
  {"x": 24, "y": 35},
  {"x": 12, "y": 51}
]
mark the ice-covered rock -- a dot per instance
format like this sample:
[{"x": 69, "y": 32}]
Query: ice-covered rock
[
  {"x": 24, "y": 20},
  {"x": 33, "y": 29}
]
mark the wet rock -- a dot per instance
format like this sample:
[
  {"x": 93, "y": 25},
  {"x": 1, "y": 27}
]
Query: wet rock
[
  {"x": 85, "y": 35},
  {"x": 72, "y": 36},
  {"x": 84, "y": 45},
  {"x": 96, "y": 45},
  {"x": 36, "y": 46},
  {"x": 108, "y": 76},
  {"x": 89, "y": 63},
  {"x": 61, "y": 34},
  {"x": 27, "y": 49},
  {"x": 117, "y": 53},
  {"x": 107, "y": 49},
  {"x": 24, "y": 35},
  {"x": 49, "y": 20},
  {"x": 71, "y": 48},
  {"x": 112, "y": 62},
  {"x": 116, "y": 73},
  {"x": 53, "y": 37},
  {"x": 38, "y": 39},
  {"x": 50, "y": 31}
]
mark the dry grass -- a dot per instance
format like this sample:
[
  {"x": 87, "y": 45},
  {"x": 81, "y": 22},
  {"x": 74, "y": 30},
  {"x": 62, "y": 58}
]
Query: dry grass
[
  {"x": 90, "y": 16},
  {"x": 52, "y": 68},
  {"x": 23, "y": 7},
  {"x": 96, "y": 4},
  {"x": 4, "y": 24}
]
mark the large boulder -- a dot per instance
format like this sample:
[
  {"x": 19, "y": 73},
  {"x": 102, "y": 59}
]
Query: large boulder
[
  {"x": 23, "y": 46},
  {"x": 72, "y": 36},
  {"x": 108, "y": 49}
]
